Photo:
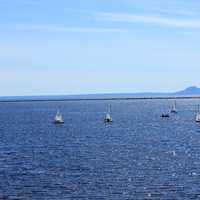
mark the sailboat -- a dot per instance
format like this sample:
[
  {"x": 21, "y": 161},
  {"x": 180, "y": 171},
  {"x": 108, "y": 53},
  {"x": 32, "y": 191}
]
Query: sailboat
[
  {"x": 58, "y": 118},
  {"x": 108, "y": 117},
  {"x": 174, "y": 109},
  {"x": 198, "y": 115}
]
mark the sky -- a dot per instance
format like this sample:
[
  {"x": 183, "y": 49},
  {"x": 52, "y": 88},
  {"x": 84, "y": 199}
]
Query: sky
[{"x": 98, "y": 46}]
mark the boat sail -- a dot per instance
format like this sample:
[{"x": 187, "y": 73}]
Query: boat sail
[
  {"x": 174, "y": 109},
  {"x": 108, "y": 117},
  {"x": 198, "y": 115},
  {"x": 58, "y": 118}
]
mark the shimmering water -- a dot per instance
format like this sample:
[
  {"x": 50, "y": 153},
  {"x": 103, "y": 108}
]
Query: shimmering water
[{"x": 139, "y": 156}]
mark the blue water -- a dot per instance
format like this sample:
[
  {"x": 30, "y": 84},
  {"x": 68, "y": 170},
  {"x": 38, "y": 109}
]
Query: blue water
[{"x": 138, "y": 156}]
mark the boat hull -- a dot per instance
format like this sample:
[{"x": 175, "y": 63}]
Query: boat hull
[
  {"x": 58, "y": 122},
  {"x": 174, "y": 111},
  {"x": 108, "y": 120},
  {"x": 165, "y": 116}
]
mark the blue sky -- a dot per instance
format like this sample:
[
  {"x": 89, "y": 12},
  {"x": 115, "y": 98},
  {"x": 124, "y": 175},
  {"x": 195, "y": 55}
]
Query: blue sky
[{"x": 98, "y": 46}]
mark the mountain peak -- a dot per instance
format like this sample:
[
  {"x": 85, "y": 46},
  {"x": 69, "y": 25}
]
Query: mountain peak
[{"x": 192, "y": 90}]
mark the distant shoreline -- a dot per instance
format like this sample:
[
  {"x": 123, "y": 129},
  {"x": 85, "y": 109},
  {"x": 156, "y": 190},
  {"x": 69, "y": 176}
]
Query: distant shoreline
[
  {"x": 192, "y": 92},
  {"x": 98, "y": 99}
]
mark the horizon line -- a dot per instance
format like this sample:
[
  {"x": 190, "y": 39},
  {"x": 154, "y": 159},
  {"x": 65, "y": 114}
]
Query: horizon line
[{"x": 100, "y": 93}]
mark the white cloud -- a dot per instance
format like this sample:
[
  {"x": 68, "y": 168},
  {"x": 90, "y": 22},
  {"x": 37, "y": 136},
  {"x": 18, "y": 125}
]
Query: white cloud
[
  {"x": 179, "y": 12},
  {"x": 52, "y": 28},
  {"x": 150, "y": 19}
]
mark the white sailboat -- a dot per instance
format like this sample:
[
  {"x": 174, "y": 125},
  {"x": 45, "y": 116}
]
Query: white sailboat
[
  {"x": 198, "y": 115},
  {"x": 174, "y": 109},
  {"x": 108, "y": 117},
  {"x": 58, "y": 118}
]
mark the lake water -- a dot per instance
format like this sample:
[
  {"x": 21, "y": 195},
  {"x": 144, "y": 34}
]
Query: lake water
[{"x": 138, "y": 156}]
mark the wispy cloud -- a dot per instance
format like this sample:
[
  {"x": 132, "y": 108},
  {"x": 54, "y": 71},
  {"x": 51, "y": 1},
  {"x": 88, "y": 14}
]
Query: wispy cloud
[
  {"x": 178, "y": 12},
  {"x": 163, "y": 21},
  {"x": 52, "y": 28}
]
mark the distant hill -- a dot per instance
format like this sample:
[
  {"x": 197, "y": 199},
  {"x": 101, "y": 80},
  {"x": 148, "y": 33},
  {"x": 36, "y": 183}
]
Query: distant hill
[{"x": 193, "y": 91}]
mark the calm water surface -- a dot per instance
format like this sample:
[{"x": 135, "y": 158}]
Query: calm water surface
[{"x": 138, "y": 156}]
